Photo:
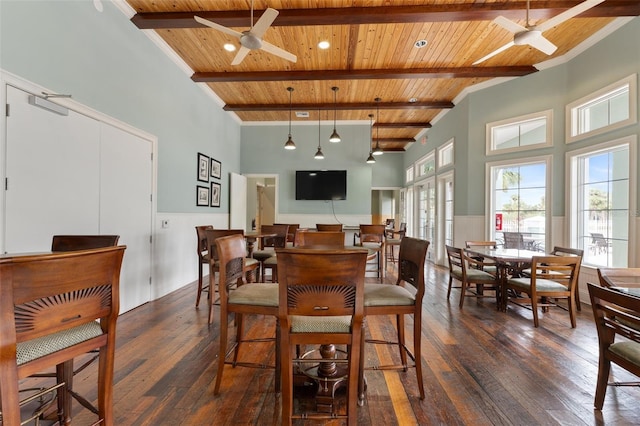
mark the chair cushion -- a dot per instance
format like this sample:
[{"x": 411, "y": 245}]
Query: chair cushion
[
  {"x": 262, "y": 255},
  {"x": 273, "y": 260},
  {"x": 472, "y": 274},
  {"x": 541, "y": 284},
  {"x": 627, "y": 350},
  {"x": 387, "y": 295},
  {"x": 45, "y": 345},
  {"x": 320, "y": 324},
  {"x": 250, "y": 262},
  {"x": 393, "y": 241},
  {"x": 255, "y": 294}
]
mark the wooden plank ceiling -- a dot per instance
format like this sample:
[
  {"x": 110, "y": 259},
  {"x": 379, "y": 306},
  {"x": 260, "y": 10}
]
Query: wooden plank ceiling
[{"x": 372, "y": 54}]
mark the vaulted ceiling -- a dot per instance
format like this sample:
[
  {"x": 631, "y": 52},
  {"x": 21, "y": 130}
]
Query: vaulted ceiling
[{"x": 372, "y": 54}]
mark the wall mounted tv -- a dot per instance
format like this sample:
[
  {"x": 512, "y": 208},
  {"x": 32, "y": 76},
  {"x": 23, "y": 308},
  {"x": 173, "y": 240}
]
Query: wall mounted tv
[{"x": 321, "y": 185}]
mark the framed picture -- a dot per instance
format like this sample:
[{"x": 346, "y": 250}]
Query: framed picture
[
  {"x": 215, "y": 194},
  {"x": 216, "y": 169},
  {"x": 202, "y": 196},
  {"x": 203, "y": 168}
]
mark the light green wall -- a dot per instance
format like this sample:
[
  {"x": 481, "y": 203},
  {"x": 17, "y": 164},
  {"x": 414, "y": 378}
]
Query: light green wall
[
  {"x": 608, "y": 61},
  {"x": 106, "y": 63},
  {"x": 262, "y": 152}
]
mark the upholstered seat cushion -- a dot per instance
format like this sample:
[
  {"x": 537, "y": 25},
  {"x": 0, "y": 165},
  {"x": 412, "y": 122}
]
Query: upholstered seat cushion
[
  {"x": 273, "y": 260},
  {"x": 41, "y": 346},
  {"x": 250, "y": 262},
  {"x": 541, "y": 284},
  {"x": 393, "y": 241},
  {"x": 320, "y": 324},
  {"x": 627, "y": 350},
  {"x": 472, "y": 274},
  {"x": 387, "y": 295},
  {"x": 255, "y": 294},
  {"x": 263, "y": 254}
]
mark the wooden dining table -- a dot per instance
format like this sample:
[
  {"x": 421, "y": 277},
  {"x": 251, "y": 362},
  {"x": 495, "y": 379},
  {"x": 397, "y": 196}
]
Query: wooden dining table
[
  {"x": 509, "y": 262},
  {"x": 625, "y": 280}
]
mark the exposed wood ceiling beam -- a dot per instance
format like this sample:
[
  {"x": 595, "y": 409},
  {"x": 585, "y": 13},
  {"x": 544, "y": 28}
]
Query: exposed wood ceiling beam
[
  {"x": 341, "y": 107},
  {"x": 399, "y": 140},
  {"x": 387, "y": 14},
  {"x": 400, "y": 73},
  {"x": 403, "y": 125}
]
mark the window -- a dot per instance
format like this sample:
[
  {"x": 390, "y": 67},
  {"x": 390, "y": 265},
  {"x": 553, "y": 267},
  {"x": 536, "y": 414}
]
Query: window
[
  {"x": 602, "y": 188},
  {"x": 409, "y": 174},
  {"x": 426, "y": 165},
  {"x": 609, "y": 108},
  {"x": 445, "y": 155},
  {"x": 519, "y": 203},
  {"x": 520, "y": 133}
]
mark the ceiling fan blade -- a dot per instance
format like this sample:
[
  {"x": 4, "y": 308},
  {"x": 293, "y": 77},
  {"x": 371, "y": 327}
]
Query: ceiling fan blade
[
  {"x": 509, "y": 25},
  {"x": 543, "y": 45},
  {"x": 494, "y": 53},
  {"x": 568, "y": 14},
  {"x": 264, "y": 22},
  {"x": 218, "y": 27},
  {"x": 242, "y": 52},
  {"x": 275, "y": 50}
]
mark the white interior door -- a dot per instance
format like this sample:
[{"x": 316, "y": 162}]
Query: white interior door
[{"x": 238, "y": 201}]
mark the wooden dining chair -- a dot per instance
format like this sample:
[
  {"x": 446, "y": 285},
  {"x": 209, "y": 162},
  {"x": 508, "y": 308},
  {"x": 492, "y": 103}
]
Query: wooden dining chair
[
  {"x": 250, "y": 265},
  {"x": 616, "y": 315},
  {"x": 468, "y": 271},
  {"x": 266, "y": 255},
  {"x": 372, "y": 237},
  {"x": 393, "y": 237},
  {"x": 56, "y": 307},
  {"x": 552, "y": 278},
  {"x": 385, "y": 299},
  {"x": 321, "y": 238},
  {"x": 291, "y": 232},
  {"x": 321, "y": 299},
  {"x": 245, "y": 299},
  {"x": 486, "y": 264},
  {"x": 203, "y": 258},
  {"x": 513, "y": 240},
  {"x": 335, "y": 227}
]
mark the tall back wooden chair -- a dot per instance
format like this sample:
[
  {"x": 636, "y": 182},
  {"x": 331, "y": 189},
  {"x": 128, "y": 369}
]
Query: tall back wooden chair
[
  {"x": 486, "y": 265},
  {"x": 250, "y": 265},
  {"x": 266, "y": 254},
  {"x": 552, "y": 277},
  {"x": 203, "y": 258},
  {"x": 568, "y": 251},
  {"x": 257, "y": 299},
  {"x": 393, "y": 237},
  {"x": 49, "y": 305},
  {"x": 372, "y": 237},
  {"x": 321, "y": 238},
  {"x": 385, "y": 299},
  {"x": 469, "y": 272},
  {"x": 335, "y": 227},
  {"x": 513, "y": 240},
  {"x": 321, "y": 298},
  {"x": 616, "y": 314},
  {"x": 291, "y": 231}
]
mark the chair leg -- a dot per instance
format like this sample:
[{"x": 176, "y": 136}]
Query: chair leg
[
  {"x": 64, "y": 374},
  {"x": 604, "y": 367},
  {"x": 534, "y": 308},
  {"x": 463, "y": 291},
  {"x": 199, "y": 284},
  {"x": 578, "y": 305},
  {"x": 105, "y": 382},
  {"x": 449, "y": 289},
  {"x": 572, "y": 310},
  {"x": 222, "y": 352},
  {"x": 210, "y": 299},
  {"x": 239, "y": 333},
  {"x": 287, "y": 380},
  {"x": 417, "y": 350},
  {"x": 401, "y": 341},
  {"x": 362, "y": 388}
]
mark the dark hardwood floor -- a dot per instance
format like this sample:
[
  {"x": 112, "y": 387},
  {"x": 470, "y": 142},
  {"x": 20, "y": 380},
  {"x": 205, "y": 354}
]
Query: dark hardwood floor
[{"x": 481, "y": 367}]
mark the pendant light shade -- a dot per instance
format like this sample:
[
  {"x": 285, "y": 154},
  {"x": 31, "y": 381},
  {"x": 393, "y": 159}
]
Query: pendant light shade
[
  {"x": 319, "y": 155},
  {"x": 290, "y": 144},
  {"x": 377, "y": 150},
  {"x": 371, "y": 159},
  {"x": 335, "y": 137}
]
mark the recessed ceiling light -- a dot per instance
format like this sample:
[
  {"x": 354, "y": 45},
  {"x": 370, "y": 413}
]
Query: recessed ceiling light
[
  {"x": 229, "y": 47},
  {"x": 324, "y": 44},
  {"x": 413, "y": 100},
  {"x": 420, "y": 43}
]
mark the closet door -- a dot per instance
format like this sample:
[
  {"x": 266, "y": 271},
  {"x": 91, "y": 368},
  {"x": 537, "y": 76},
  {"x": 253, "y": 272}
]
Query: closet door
[
  {"x": 126, "y": 208},
  {"x": 52, "y": 169}
]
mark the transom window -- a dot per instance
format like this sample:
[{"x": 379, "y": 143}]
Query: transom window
[
  {"x": 519, "y": 207},
  {"x": 445, "y": 155},
  {"x": 426, "y": 165},
  {"x": 609, "y": 108},
  {"x": 520, "y": 133},
  {"x": 602, "y": 189},
  {"x": 408, "y": 174}
]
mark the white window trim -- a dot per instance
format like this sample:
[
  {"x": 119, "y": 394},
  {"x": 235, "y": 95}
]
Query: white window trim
[
  {"x": 571, "y": 199},
  {"x": 418, "y": 164},
  {"x": 548, "y": 114},
  {"x": 412, "y": 167},
  {"x": 490, "y": 222},
  {"x": 447, "y": 145},
  {"x": 633, "y": 108}
]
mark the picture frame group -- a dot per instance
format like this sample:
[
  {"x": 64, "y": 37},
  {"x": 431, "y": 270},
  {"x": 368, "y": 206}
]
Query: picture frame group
[{"x": 208, "y": 168}]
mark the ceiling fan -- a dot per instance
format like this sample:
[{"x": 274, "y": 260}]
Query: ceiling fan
[
  {"x": 532, "y": 34},
  {"x": 251, "y": 39}
]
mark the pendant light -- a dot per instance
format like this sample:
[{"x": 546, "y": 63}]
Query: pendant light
[
  {"x": 290, "y": 144},
  {"x": 335, "y": 137},
  {"x": 377, "y": 150},
  {"x": 319, "y": 155},
  {"x": 371, "y": 159}
]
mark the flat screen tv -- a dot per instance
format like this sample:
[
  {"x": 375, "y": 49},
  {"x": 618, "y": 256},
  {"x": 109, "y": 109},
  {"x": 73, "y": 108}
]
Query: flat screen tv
[{"x": 321, "y": 185}]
